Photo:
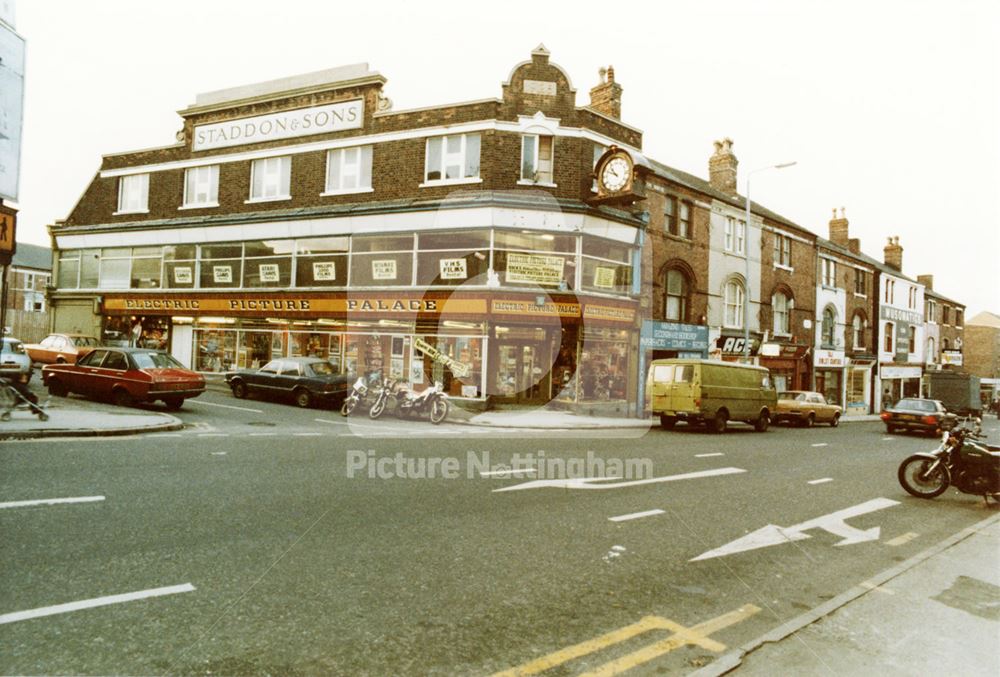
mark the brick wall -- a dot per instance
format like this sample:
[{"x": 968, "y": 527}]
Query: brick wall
[
  {"x": 981, "y": 350},
  {"x": 799, "y": 283}
]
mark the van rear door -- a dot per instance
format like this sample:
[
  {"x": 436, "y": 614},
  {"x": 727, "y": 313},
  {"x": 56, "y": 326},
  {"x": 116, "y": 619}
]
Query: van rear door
[
  {"x": 685, "y": 392},
  {"x": 661, "y": 377}
]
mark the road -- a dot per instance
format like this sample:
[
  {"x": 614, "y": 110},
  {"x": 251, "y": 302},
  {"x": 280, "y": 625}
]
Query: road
[{"x": 275, "y": 560}]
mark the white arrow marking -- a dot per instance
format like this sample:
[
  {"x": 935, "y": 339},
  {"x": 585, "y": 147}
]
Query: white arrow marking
[
  {"x": 591, "y": 482},
  {"x": 833, "y": 523}
]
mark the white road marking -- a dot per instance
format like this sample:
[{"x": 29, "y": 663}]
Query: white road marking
[
  {"x": 821, "y": 444},
  {"x": 821, "y": 481},
  {"x": 901, "y": 540},
  {"x": 718, "y": 453},
  {"x": 509, "y": 471},
  {"x": 218, "y": 453},
  {"x": 51, "y": 501},
  {"x": 593, "y": 482},
  {"x": 636, "y": 515},
  {"x": 834, "y": 523},
  {"x": 91, "y": 603},
  {"x": 263, "y": 434},
  {"x": 307, "y": 434},
  {"x": 888, "y": 439},
  {"x": 229, "y": 406}
]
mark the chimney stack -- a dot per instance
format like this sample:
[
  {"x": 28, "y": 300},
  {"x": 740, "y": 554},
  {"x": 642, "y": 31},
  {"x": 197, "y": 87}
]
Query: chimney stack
[
  {"x": 722, "y": 167},
  {"x": 894, "y": 254},
  {"x": 838, "y": 229},
  {"x": 927, "y": 281},
  {"x": 606, "y": 97},
  {"x": 854, "y": 244}
]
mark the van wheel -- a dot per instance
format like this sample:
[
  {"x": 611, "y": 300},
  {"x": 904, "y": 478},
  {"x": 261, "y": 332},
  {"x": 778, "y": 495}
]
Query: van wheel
[
  {"x": 762, "y": 423},
  {"x": 719, "y": 423},
  {"x": 667, "y": 422}
]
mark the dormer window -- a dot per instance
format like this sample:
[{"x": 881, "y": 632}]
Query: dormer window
[{"x": 133, "y": 194}]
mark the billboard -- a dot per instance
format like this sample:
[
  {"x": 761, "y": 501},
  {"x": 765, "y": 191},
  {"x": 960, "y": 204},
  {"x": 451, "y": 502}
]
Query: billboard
[{"x": 11, "y": 109}]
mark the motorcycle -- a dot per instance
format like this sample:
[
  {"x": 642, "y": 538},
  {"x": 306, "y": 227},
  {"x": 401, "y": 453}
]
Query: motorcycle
[
  {"x": 359, "y": 395},
  {"x": 432, "y": 400},
  {"x": 963, "y": 459}
]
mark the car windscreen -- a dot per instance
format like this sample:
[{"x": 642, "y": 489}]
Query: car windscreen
[
  {"x": 798, "y": 397},
  {"x": 9, "y": 346},
  {"x": 85, "y": 341},
  {"x": 322, "y": 368},
  {"x": 154, "y": 360},
  {"x": 916, "y": 405}
]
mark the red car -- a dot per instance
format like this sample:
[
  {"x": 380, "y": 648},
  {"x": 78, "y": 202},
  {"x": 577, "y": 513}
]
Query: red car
[{"x": 125, "y": 376}]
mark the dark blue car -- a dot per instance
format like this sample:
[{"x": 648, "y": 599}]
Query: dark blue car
[{"x": 303, "y": 380}]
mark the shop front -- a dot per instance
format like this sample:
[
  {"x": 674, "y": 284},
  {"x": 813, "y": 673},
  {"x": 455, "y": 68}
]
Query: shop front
[
  {"x": 897, "y": 382},
  {"x": 516, "y": 350},
  {"x": 830, "y": 368},
  {"x": 788, "y": 363},
  {"x": 858, "y": 388},
  {"x": 664, "y": 340}
]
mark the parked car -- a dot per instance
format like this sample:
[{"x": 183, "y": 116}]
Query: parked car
[
  {"x": 125, "y": 376},
  {"x": 804, "y": 407},
  {"x": 14, "y": 361},
  {"x": 922, "y": 415},
  {"x": 58, "y": 348},
  {"x": 304, "y": 380},
  {"x": 710, "y": 392}
]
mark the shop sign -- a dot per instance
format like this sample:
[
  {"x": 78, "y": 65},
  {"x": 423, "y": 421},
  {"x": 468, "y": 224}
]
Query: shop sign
[
  {"x": 222, "y": 274},
  {"x": 534, "y": 268},
  {"x": 458, "y": 369},
  {"x": 898, "y": 315},
  {"x": 673, "y": 336},
  {"x": 506, "y": 307},
  {"x": 902, "y": 343},
  {"x": 616, "y": 313},
  {"x": 182, "y": 275},
  {"x": 604, "y": 277},
  {"x": 453, "y": 269},
  {"x": 830, "y": 359},
  {"x": 269, "y": 272},
  {"x": 952, "y": 357},
  {"x": 290, "y": 124},
  {"x": 900, "y": 372},
  {"x": 220, "y": 305},
  {"x": 325, "y": 271},
  {"x": 735, "y": 345},
  {"x": 384, "y": 269}
]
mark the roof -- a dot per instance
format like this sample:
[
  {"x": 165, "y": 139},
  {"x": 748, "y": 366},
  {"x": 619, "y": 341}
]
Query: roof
[
  {"x": 32, "y": 256},
  {"x": 985, "y": 319},
  {"x": 942, "y": 297},
  {"x": 875, "y": 263}
]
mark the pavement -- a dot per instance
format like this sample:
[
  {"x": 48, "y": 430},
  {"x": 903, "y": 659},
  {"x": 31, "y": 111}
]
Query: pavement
[{"x": 70, "y": 422}]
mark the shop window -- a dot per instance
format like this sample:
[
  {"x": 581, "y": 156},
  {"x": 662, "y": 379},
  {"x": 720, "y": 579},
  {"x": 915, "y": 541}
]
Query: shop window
[
  {"x": 452, "y": 158},
  {"x": 221, "y": 266},
  {"x": 215, "y": 349},
  {"x": 268, "y": 263},
  {"x": 321, "y": 262},
  {"x": 536, "y": 158},
  {"x": 533, "y": 258},
  {"x": 90, "y": 268},
  {"x": 733, "y": 305},
  {"x": 133, "y": 194},
  {"x": 677, "y": 293},
  {"x": 270, "y": 179},
  {"x": 348, "y": 170},
  {"x": 201, "y": 186},
  {"x": 68, "y": 272},
  {"x": 452, "y": 258},
  {"x": 603, "y": 373},
  {"x": 381, "y": 260},
  {"x": 114, "y": 268},
  {"x": 453, "y": 361},
  {"x": 146, "y": 267},
  {"x": 179, "y": 266}
]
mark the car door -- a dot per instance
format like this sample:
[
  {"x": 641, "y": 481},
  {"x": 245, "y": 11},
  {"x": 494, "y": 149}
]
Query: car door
[
  {"x": 113, "y": 373},
  {"x": 288, "y": 377},
  {"x": 85, "y": 376},
  {"x": 264, "y": 380},
  {"x": 819, "y": 405}
]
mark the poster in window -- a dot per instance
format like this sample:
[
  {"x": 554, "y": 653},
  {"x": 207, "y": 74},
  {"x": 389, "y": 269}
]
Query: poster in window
[
  {"x": 326, "y": 271},
  {"x": 182, "y": 275},
  {"x": 384, "y": 269},
  {"x": 533, "y": 268},
  {"x": 453, "y": 269},
  {"x": 604, "y": 277},
  {"x": 269, "y": 272},
  {"x": 222, "y": 274}
]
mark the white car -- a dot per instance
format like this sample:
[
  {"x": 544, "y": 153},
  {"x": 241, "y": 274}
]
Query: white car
[{"x": 15, "y": 363}]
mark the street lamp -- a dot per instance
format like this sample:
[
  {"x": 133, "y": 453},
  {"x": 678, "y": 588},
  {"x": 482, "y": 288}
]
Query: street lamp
[{"x": 746, "y": 254}]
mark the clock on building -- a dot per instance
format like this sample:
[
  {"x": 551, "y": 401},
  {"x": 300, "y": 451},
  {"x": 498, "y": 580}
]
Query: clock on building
[{"x": 616, "y": 178}]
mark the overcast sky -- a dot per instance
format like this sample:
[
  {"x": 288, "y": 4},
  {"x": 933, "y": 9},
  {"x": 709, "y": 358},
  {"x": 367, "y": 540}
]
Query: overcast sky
[{"x": 890, "y": 108}]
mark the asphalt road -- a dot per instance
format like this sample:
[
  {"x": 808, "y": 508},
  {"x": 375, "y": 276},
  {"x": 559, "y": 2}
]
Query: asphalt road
[{"x": 292, "y": 566}]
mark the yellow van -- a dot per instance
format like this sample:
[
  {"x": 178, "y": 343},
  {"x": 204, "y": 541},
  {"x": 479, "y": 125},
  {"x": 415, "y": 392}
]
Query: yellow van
[{"x": 710, "y": 392}]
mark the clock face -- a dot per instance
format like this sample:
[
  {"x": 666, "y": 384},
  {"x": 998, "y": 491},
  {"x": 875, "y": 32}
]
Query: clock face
[{"x": 615, "y": 174}]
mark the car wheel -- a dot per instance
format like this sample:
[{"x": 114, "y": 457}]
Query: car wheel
[
  {"x": 60, "y": 360},
  {"x": 891, "y": 429},
  {"x": 836, "y": 421},
  {"x": 57, "y": 389},
  {"x": 303, "y": 397},
  {"x": 719, "y": 423},
  {"x": 762, "y": 423},
  {"x": 239, "y": 390},
  {"x": 809, "y": 420},
  {"x": 122, "y": 398},
  {"x": 667, "y": 422},
  {"x": 174, "y": 403}
]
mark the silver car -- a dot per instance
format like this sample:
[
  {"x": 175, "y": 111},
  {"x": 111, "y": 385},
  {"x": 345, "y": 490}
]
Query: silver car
[{"x": 15, "y": 363}]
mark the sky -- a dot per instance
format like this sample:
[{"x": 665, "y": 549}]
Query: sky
[{"x": 890, "y": 109}]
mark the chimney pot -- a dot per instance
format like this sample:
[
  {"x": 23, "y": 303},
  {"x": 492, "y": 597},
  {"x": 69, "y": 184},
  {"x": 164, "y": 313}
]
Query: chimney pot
[
  {"x": 894, "y": 254},
  {"x": 606, "y": 97},
  {"x": 722, "y": 167},
  {"x": 839, "y": 229}
]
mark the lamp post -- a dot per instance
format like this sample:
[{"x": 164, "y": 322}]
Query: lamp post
[{"x": 746, "y": 254}]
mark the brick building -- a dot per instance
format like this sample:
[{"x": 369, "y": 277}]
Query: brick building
[
  {"x": 944, "y": 328},
  {"x": 982, "y": 351},
  {"x": 901, "y": 330},
  {"x": 28, "y": 277},
  {"x": 467, "y": 243}
]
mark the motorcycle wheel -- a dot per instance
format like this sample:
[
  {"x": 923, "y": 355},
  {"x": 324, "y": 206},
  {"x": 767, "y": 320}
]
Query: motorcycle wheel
[
  {"x": 439, "y": 410},
  {"x": 912, "y": 477},
  {"x": 348, "y": 406},
  {"x": 377, "y": 408}
]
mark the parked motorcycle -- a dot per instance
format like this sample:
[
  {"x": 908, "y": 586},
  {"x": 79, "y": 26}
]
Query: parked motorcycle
[
  {"x": 359, "y": 396},
  {"x": 963, "y": 459},
  {"x": 433, "y": 401}
]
